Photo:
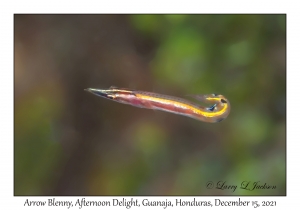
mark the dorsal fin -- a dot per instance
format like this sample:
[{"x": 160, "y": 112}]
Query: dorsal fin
[
  {"x": 126, "y": 89},
  {"x": 201, "y": 98}
]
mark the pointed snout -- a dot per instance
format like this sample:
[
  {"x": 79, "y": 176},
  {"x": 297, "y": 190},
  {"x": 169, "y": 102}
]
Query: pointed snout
[{"x": 98, "y": 92}]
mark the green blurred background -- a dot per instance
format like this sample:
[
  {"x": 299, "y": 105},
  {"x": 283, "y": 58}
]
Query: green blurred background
[{"x": 70, "y": 142}]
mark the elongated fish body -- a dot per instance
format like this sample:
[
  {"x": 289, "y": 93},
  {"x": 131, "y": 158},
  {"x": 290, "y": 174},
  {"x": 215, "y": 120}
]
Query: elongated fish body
[{"x": 149, "y": 100}]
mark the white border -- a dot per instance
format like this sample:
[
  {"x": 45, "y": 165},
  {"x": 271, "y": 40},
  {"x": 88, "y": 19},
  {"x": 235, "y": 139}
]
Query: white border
[{"x": 154, "y": 6}]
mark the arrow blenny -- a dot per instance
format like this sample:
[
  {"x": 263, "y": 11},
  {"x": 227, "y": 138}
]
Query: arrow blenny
[{"x": 142, "y": 99}]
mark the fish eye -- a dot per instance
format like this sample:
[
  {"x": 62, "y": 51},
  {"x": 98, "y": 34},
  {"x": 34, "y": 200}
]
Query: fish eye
[
  {"x": 110, "y": 97},
  {"x": 223, "y": 101}
]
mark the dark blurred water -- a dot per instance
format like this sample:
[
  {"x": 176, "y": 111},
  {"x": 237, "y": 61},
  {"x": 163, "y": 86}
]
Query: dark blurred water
[{"x": 69, "y": 142}]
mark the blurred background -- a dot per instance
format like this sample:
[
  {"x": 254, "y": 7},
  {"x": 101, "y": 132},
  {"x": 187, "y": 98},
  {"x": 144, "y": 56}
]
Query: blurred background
[{"x": 70, "y": 142}]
